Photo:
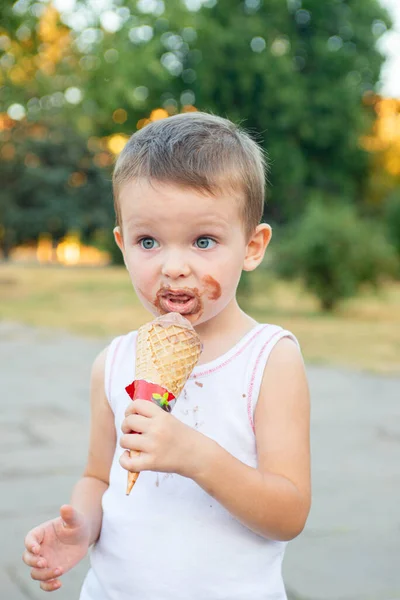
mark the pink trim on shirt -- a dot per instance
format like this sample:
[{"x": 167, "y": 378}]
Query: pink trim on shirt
[
  {"x": 251, "y": 386},
  {"x": 228, "y": 360},
  {"x": 112, "y": 367}
]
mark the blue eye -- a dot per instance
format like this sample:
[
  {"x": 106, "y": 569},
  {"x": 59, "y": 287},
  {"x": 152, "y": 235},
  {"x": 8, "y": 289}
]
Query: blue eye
[
  {"x": 205, "y": 242},
  {"x": 148, "y": 243}
]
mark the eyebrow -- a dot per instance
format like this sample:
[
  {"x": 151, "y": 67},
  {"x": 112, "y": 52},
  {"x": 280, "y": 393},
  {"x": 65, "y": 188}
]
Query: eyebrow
[
  {"x": 208, "y": 223},
  {"x": 202, "y": 224}
]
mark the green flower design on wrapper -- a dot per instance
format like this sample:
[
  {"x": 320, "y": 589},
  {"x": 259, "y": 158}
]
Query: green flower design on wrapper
[{"x": 162, "y": 400}]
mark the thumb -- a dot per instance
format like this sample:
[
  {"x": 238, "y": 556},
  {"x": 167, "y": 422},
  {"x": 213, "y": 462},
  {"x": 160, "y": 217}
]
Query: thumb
[{"x": 70, "y": 516}]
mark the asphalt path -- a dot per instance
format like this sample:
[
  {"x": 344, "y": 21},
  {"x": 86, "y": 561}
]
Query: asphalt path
[{"x": 350, "y": 548}]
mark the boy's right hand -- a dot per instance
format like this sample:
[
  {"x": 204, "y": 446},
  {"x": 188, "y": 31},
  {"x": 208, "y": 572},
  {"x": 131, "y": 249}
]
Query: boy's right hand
[{"x": 56, "y": 546}]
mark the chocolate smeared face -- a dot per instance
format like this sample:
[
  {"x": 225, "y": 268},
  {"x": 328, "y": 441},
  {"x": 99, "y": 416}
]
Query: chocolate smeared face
[
  {"x": 185, "y": 301},
  {"x": 184, "y": 250}
]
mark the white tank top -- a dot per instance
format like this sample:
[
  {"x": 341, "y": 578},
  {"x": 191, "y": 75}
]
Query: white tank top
[{"x": 170, "y": 540}]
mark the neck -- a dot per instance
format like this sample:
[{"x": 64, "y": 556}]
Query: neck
[{"x": 223, "y": 331}]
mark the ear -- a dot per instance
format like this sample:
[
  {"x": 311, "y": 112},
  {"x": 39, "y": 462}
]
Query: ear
[
  {"x": 257, "y": 246},
  {"x": 119, "y": 240}
]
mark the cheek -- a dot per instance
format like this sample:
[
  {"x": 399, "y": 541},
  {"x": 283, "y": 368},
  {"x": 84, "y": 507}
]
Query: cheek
[
  {"x": 138, "y": 266},
  {"x": 226, "y": 274},
  {"x": 141, "y": 275}
]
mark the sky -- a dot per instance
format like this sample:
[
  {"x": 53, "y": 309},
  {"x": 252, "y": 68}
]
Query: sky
[{"x": 389, "y": 44}]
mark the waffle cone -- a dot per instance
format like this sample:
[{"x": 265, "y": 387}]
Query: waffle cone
[
  {"x": 166, "y": 355},
  {"x": 167, "y": 350}
]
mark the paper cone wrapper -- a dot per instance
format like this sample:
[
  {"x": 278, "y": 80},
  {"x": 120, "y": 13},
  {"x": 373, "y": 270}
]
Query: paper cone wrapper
[{"x": 167, "y": 350}]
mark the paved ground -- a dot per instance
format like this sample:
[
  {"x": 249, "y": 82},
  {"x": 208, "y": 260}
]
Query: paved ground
[{"x": 350, "y": 549}]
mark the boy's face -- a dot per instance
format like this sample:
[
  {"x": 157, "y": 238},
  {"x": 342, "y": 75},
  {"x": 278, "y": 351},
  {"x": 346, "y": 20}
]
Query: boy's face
[{"x": 184, "y": 251}]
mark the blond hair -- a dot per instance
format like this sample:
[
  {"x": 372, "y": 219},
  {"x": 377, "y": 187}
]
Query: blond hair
[{"x": 199, "y": 151}]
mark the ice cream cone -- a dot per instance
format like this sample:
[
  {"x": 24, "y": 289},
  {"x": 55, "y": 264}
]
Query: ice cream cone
[{"x": 167, "y": 349}]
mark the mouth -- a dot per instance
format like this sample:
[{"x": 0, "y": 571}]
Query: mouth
[{"x": 182, "y": 302}]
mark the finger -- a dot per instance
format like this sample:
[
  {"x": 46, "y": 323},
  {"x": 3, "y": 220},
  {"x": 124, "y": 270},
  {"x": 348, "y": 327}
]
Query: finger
[
  {"x": 34, "y": 561},
  {"x": 146, "y": 408},
  {"x": 135, "y": 423},
  {"x": 50, "y": 586},
  {"x": 70, "y": 516},
  {"x": 136, "y": 463},
  {"x": 33, "y": 539},
  {"x": 45, "y": 574},
  {"x": 134, "y": 441}
]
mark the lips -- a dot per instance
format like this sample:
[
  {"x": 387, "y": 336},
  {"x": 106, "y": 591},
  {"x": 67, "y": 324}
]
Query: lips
[
  {"x": 178, "y": 297},
  {"x": 175, "y": 301},
  {"x": 181, "y": 295}
]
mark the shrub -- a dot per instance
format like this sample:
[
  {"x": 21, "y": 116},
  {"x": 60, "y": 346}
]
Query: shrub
[
  {"x": 392, "y": 218},
  {"x": 334, "y": 251}
]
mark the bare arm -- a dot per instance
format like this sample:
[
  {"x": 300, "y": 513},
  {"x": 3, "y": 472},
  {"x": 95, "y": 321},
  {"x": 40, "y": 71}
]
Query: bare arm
[
  {"x": 274, "y": 499},
  {"x": 56, "y": 546},
  {"x": 88, "y": 492}
]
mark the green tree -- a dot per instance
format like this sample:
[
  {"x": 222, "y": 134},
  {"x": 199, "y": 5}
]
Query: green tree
[
  {"x": 295, "y": 72},
  {"x": 335, "y": 252},
  {"x": 51, "y": 183}
]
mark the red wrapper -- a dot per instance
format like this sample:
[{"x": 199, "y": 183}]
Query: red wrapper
[
  {"x": 140, "y": 389},
  {"x": 145, "y": 390}
]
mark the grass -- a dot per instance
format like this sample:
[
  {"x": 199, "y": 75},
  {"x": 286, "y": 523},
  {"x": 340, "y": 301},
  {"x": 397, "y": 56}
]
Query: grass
[{"x": 364, "y": 333}]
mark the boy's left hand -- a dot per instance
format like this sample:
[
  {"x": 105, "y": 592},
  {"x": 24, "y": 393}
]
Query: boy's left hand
[{"x": 166, "y": 444}]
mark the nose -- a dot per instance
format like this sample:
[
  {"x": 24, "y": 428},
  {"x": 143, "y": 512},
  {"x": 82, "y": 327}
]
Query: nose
[{"x": 175, "y": 265}]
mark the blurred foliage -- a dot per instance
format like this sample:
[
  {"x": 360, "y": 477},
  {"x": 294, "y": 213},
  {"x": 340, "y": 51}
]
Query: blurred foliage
[
  {"x": 299, "y": 75},
  {"x": 335, "y": 252},
  {"x": 392, "y": 218},
  {"x": 50, "y": 182},
  {"x": 383, "y": 144},
  {"x": 245, "y": 289},
  {"x": 294, "y": 73},
  {"x": 303, "y": 92}
]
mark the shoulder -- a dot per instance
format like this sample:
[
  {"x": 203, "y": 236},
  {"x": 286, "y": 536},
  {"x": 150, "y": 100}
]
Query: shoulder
[
  {"x": 284, "y": 383},
  {"x": 114, "y": 362},
  {"x": 99, "y": 369},
  {"x": 100, "y": 361},
  {"x": 285, "y": 353},
  {"x": 275, "y": 346},
  {"x": 104, "y": 359}
]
